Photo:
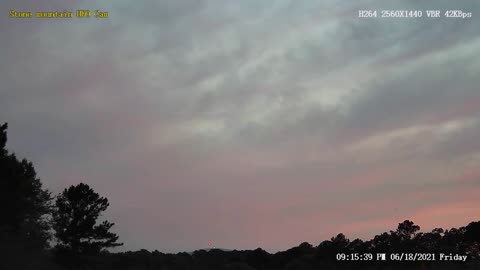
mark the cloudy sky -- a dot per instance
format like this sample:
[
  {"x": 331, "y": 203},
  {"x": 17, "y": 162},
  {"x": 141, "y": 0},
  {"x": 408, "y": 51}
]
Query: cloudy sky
[{"x": 245, "y": 124}]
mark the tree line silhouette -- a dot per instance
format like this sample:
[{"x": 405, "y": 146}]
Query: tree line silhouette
[
  {"x": 30, "y": 213},
  {"x": 42, "y": 231}
]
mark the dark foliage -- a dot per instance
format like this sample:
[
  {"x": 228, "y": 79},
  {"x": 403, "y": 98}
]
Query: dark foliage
[
  {"x": 24, "y": 205},
  {"x": 406, "y": 238},
  {"x": 75, "y": 221}
]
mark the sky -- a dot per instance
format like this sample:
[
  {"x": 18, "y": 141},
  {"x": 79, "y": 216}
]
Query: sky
[{"x": 245, "y": 124}]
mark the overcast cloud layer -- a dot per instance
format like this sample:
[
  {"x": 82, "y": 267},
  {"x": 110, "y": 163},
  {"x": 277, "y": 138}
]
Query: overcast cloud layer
[{"x": 249, "y": 124}]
